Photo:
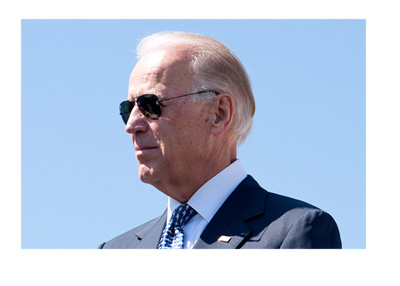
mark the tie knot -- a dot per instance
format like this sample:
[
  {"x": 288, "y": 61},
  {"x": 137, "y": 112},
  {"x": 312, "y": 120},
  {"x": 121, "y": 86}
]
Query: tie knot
[{"x": 182, "y": 215}]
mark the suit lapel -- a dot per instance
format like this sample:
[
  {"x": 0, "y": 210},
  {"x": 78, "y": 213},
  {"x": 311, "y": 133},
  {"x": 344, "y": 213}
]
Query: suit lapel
[
  {"x": 225, "y": 230},
  {"x": 228, "y": 228},
  {"x": 149, "y": 237}
]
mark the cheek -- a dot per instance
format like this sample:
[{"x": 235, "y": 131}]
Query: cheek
[
  {"x": 173, "y": 140},
  {"x": 167, "y": 139},
  {"x": 191, "y": 140},
  {"x": 156, "y": 131},
  {"x": 186, "y": 136}
]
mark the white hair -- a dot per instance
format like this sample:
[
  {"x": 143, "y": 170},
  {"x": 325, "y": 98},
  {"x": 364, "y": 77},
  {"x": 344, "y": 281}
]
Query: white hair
[{"x": 214, "y": 67}]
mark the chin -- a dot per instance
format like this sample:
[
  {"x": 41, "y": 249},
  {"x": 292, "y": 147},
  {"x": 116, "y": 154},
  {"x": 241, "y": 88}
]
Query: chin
[{"x": 147, "y": 175}]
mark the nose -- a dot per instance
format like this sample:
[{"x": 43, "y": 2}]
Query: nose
[{"x": 137, "y": 122}]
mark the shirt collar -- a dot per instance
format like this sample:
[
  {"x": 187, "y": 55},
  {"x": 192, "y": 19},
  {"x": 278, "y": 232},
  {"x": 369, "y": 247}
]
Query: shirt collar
[{"x": 209, "y": 198}]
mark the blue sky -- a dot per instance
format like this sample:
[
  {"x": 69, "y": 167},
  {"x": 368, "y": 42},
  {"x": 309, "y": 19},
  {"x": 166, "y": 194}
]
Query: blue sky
[{"x": 79, "y": 183}]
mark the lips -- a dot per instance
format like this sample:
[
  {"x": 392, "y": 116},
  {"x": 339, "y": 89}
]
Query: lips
[
  {"x": 144, "y": 148},
  {"x": 141, "y": 146}
]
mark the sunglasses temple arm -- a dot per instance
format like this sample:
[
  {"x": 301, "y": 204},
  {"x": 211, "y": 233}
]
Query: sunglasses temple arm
[
  {"x": 165, "y": 99},
  {"x": 203, "y": 91}
]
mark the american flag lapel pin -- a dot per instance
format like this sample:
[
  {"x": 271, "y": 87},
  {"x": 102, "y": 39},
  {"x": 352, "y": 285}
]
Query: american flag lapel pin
[{"x": 224, "y": 238}]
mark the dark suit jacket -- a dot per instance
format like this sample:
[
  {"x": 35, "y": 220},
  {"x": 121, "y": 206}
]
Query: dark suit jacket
[{"x": 252, "y": 218}]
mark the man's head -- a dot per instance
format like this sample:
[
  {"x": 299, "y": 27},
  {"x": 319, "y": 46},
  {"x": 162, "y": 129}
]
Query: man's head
[{"x": 196, "y": 136}]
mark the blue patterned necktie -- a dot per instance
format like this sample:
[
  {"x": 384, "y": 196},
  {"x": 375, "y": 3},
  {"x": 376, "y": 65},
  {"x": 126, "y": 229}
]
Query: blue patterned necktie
[{"x": 172, "y": 236}]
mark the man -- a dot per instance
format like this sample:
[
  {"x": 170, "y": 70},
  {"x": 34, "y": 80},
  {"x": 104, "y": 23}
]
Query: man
[{"x": 190, "y": 104}]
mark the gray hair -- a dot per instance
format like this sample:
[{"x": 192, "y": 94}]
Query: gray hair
[{"x": 214, "y": 67}]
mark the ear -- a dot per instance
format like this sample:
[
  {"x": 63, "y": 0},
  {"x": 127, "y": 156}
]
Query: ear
[{"x": 222, "y": 114}]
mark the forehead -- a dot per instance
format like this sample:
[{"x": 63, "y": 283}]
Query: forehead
[{"x": 160, "y": 71}]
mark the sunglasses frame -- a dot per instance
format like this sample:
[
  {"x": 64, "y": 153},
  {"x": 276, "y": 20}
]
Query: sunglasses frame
[{"x": 152, "y": 114}]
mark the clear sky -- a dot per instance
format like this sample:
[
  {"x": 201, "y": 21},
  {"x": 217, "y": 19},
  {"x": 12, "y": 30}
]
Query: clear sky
[{"x": 79, "y": 174}]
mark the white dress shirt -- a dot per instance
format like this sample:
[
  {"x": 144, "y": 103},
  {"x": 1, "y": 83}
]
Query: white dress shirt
[{"x": 207, "y": 200}]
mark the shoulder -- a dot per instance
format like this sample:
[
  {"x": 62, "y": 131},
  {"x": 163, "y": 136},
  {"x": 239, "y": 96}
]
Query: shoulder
[
  {"x": 313, "y": 229},
  {"x": 130, "y": 238},
  {"x": 301, "y": 225},
  {"x": 291, "y": 223}
]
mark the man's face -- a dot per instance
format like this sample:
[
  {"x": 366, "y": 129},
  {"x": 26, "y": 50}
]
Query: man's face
[{"x": 175, "y": 147}]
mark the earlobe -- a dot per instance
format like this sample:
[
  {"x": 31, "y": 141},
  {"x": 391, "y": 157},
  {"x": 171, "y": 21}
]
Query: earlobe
[{"x": 224, "y": 110}]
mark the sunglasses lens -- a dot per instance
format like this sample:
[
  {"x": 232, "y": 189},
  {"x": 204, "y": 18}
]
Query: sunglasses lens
[
  {"x": 125, "y": 109},
  {"x": 149, "y": 106}
]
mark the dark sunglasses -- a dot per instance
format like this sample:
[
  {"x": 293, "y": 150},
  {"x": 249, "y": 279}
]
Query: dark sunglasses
[{"x": 149, "y": 105}]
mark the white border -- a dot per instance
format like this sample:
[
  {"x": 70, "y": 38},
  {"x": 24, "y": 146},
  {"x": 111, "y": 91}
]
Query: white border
[{"x": 92, "y": 267}]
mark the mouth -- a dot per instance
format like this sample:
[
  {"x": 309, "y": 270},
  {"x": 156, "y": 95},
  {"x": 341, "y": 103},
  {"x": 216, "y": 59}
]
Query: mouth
[{"x": 144, "y": 149}]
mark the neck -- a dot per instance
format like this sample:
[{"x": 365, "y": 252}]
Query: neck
[{"x": 183, "y": 188}]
